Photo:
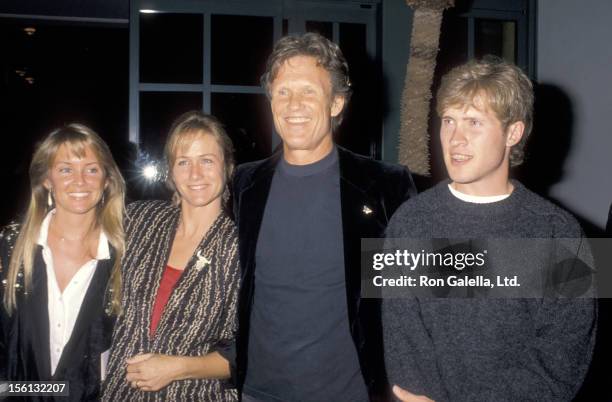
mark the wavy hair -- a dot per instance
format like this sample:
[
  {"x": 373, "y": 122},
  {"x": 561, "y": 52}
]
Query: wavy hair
[{"x": 109, "y": 213}]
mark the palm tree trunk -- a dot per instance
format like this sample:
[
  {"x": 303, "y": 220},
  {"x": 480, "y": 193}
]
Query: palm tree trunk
[{"x": 414, "y": 136}]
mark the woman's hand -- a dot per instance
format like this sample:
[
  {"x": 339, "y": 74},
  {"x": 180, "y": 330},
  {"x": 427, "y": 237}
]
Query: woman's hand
[
  {"x": 407, "y": 396},
  {"x": 152, "y": 372}
]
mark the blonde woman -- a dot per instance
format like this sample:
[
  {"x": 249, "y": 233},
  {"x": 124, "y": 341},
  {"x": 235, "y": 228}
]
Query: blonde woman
[
  {"x": 60, "y": 266},
  {"x": 181, "y": 278}
]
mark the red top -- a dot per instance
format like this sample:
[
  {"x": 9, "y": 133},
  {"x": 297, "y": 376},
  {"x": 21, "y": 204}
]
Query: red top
[{"x": 168, "y": 280}]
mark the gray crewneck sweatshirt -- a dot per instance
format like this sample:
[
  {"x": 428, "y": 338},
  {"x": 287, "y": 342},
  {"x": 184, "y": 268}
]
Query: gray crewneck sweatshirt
[{"x": 487, "y": 349}]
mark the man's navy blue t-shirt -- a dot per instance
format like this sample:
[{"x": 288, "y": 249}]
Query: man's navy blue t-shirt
[{"x": 300, "y": 346}]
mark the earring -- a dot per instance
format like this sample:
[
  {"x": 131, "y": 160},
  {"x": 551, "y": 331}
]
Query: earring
[
  {"x": 49, "y": 198},
  {"x": 102, "y": 200}
]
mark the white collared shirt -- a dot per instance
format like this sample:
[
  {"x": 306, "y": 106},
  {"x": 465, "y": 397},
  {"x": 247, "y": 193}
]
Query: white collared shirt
[{"x": 63, "y": 307}]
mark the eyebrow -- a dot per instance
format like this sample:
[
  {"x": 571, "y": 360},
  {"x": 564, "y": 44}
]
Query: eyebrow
[
  {"x": 469, "y": 116},
  {"x": 195, "y": 156},
  {"x": 71, "y": 163},
  {"x": 296, "y": 82}
]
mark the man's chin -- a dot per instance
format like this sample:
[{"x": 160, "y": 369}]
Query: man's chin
[
  {"x": 461, "y": 180},
  {"x": 297, "y": 146}
]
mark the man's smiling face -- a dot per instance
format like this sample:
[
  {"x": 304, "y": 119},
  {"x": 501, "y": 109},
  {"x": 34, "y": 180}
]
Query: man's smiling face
[{"x": 303, "y": 106}]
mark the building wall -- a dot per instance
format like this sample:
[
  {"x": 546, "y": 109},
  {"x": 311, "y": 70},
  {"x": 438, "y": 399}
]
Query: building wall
[{"x": 574, "y": 54}]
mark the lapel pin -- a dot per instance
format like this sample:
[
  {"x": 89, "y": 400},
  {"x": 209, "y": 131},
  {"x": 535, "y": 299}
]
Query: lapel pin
[
  {"x": 366, "y": 210},
  {"x": 202, "y": 261}
]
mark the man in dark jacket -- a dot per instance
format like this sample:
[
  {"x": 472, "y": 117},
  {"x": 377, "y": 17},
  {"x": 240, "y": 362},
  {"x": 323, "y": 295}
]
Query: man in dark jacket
[{"x": 304, "y": 333}]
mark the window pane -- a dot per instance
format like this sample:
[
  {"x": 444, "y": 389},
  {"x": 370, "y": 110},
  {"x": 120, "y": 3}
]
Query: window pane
[
  {"x": 60, "y": 73},
  {"x": 171, "y": 48},
  {"x": 361, "y": 128},
  {"x": 248, "y": 121},
  {"x": 496, "y": 37},
  {"x": 353, "y": 44},
  {"x": 324, "y": 28},
  {"x": 240, "y": 47},
  {"x": 453, "y": 43},
  {"x": 157, "y": 112}
]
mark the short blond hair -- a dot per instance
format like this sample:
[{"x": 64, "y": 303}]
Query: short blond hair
[{"x": 507, "y": 91}]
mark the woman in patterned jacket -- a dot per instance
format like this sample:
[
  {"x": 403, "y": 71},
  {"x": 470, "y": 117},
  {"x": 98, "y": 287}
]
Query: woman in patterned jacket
[{"x": 180, "y": 275}]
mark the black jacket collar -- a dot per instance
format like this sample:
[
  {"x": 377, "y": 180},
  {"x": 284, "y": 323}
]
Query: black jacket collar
[
  {"x": 361, "y": 215},
  {"x": 35, "y": 309}
]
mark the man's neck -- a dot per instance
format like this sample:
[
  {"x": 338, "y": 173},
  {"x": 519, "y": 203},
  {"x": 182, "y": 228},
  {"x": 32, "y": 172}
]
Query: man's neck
[
  {"x": 484, "y": 189},
  {"x": 306, "y": 157},
  {"x": 477, "y": 199}
]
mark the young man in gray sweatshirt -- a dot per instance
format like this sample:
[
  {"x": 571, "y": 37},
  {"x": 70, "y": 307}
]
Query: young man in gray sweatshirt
[{"x": 485, "y": 349}]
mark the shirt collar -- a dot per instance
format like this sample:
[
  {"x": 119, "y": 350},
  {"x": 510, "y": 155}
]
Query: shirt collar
[
  {"x": 103, "y": 252},
  {"x": 476, "y": 199}
]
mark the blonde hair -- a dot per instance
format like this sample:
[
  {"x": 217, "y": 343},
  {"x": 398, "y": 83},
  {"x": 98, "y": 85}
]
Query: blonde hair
[
  {"x": 109, "y": 214},
  {"x": 506, "y": 89},
  {"x": 184, "y": 130}
]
